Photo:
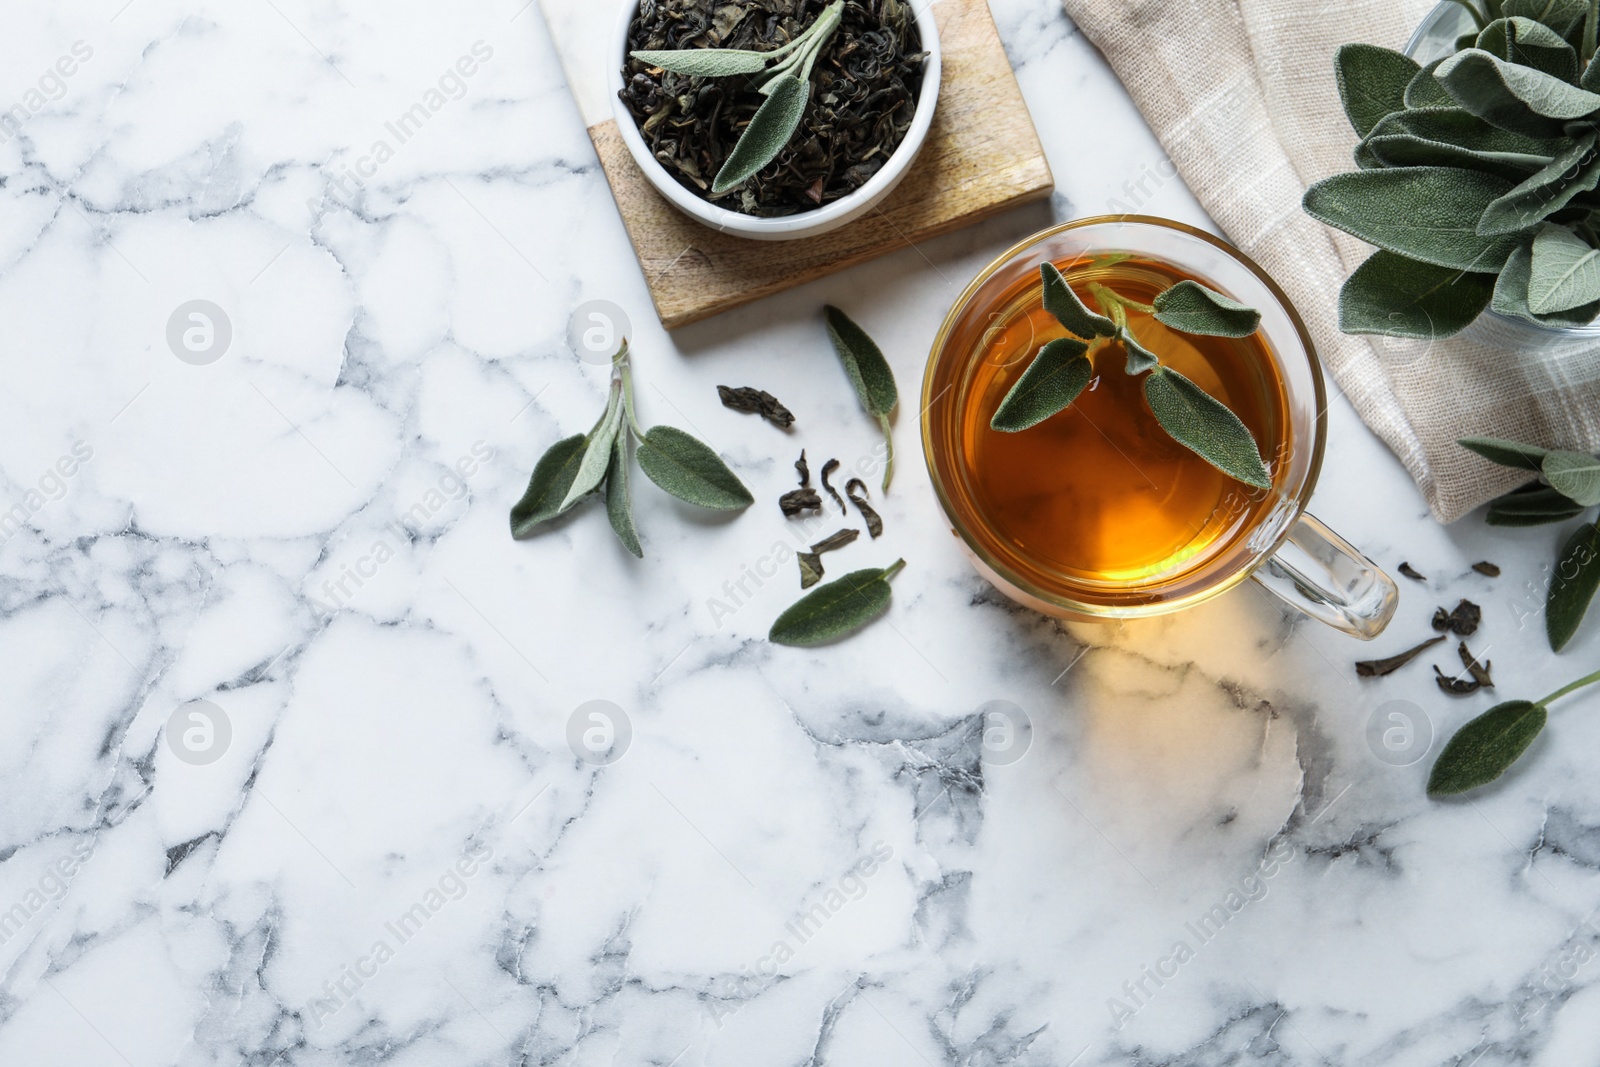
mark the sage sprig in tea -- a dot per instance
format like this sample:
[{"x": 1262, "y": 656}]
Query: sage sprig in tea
[
  {"x": 1063, "y": 368},
  {"x": 577, "y": 466},
  {"x": 1477, "y": 175}
]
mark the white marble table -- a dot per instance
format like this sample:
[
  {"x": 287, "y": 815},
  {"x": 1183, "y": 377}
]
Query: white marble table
[{"x": 800, "y": 856}]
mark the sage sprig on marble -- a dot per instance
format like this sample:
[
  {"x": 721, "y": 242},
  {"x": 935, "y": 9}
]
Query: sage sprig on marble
[
  {"x": 783, "y": 75},
  {"x": 1567, "y": 485},
  {"x": 1486, "y": 747},
  {"x": 577, "y": 466},
  {"x": 1063, "y": 368},
  {"x": 1477, "y": 175}
]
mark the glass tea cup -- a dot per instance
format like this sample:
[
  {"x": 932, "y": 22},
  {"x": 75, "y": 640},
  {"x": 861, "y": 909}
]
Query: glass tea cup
[{"x": 1261, "y": 534}]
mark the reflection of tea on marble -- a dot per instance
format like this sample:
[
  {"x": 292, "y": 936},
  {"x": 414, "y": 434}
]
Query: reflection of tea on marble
[{"x": 1100, "y": 492}]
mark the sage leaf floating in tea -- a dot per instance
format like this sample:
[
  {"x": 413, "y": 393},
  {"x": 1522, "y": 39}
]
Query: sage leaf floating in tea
[
  {"x": 1055, "y": 378},
  {"x": 1573, "y": 587},
  {"x": 1193, "y": 308},
  {"x": 1377, "y": 668},
  {"x": 834, "y": 610},
  {"x": 619, "y": 508},
  {"x": 756, "y": 402},
  {"x": 1140, "y": 358},
  {"x": 1486, "y": 747},
  {"x": 1205, "y": 426},
  {"x": 869, "y": 373},
  {"x": 873, "y": 520},
  {"x": 688, "y": 469},
  {"x": 1061, "y": 301},
  {"x": 552, "y": 477}
]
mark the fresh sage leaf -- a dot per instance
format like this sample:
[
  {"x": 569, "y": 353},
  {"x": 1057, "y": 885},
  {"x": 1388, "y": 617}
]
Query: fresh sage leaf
[
  {"x": 1408, "y": 150},
  {"x": 1460, "y": 127},
  {"x": 1564, "y": 273},
  {"x": 769, "y": 130},
  {"x": 1424, "y": 213},
  {"x": 1425, "y": 90},
  {"x": 1506, "y": 453},
  {"x": 1510, "y": 96},
  {"x": 1399, "y": 297},
  {"x": 1511, "y": 294},
  {"x": 547, "y": 489},
  {"x": 1061, "y": 301},
  {"x": 1531, "y": 505},
  {"x": 688, "y": 469},
  {"x": 619, "y": 508},
  {"x": 1565, "y": 17},
  {"x": 597, "y": 450},
  {"x": 870, "y": 375},
  {"x": 1140, "y": 358},
  {"x": 707, "y": 62},
  {"x": 1052, "y": 381},
  {"x": 1192, "y": 308},
  {"x": 1573, "y": 475},
  {"x": 1532, "y": 44},
  {"x": 1205, "y": 426},
  {"x": 1545, "y": 192},
  {"x": 1372, "y": 83},
  {"x": 836, "y": 609},
  {"x": 1486, "y": 747},
  {"x": 1573, "y": 588},
  {"x": 1590, "y": 79}
]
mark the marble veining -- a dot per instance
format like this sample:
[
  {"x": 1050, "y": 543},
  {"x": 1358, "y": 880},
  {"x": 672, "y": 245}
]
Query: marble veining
[{"x": 392, "y": 845}]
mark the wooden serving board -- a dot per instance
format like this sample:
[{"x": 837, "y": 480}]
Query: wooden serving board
[{"x": 981, "y": 157}]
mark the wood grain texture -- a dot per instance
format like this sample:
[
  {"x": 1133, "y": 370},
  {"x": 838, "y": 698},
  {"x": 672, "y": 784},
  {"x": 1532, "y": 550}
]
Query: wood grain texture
[{"x": 981, "y": 157}]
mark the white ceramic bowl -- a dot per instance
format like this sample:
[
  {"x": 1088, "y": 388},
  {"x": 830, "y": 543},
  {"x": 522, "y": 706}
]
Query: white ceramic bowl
[{"x": 786, "y": 227}]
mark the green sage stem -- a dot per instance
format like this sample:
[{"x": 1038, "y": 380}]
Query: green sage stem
[
  {"x": 1559, "y": 693},
  {"x": 888, "y": 441},
  {"x": 1472, "y": 9}
]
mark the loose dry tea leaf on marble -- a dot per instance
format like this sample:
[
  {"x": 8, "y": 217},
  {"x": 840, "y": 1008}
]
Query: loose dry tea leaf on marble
[
  {"x": 804, "y": 470},
  {"x": 796, "y": 501},
  {"x": 811, "y": 562},
  {"x": 864, "y": 86},
  {"x": 754, "y": 401},
  {"x": 1462, "y": 620},
  {"x": 1484, "y": 567},
  {"x": 827, "y": 469},
  {"x": 1479, "y": 671},
  {"x": 1411, "y": 572},
  {"x": 1459, "y": 687},
  {"x": 1377, "y": 668},
  {"x": 856, "y": 490}
]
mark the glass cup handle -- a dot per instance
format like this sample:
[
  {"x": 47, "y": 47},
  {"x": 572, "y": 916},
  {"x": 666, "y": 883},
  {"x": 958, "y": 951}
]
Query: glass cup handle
[{"x": 1320, "y": 573}]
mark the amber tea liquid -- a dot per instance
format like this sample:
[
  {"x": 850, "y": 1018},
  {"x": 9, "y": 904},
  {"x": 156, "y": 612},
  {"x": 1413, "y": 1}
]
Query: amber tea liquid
[{"x": 1100, "y": 494}]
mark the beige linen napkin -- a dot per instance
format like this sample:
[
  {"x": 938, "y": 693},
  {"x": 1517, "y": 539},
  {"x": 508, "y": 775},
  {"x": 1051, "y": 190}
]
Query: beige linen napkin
[{"x": 1241, "y": 93}]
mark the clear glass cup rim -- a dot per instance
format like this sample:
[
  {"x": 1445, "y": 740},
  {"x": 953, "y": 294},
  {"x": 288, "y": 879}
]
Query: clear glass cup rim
[{"x": 1259, "y": 554}]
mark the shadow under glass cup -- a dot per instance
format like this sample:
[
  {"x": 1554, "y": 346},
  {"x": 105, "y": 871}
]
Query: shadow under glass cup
[{"x": 1208, "y": 532}]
